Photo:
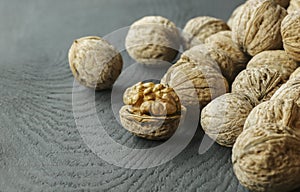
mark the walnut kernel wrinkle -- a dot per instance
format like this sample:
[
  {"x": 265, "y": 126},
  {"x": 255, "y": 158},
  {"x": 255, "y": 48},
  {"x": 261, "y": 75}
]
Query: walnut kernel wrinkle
[
  {"x": 153, "y": 40},
  {"x": 94, "y": 62}
]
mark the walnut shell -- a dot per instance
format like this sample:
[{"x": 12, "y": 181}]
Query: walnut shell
[
  {"x": 94, "y": 62},
  {"x": 294, "y": 6},
  {"x": 233, "y": 17},
  {"x": 284, "y": 112},
  {"x": 223, "y": 41},
  {"x": 274, "y": 59},
  {"x": 151, "y": 111},
  {"x": 221, "y": 63},
  {"x": 195, "y": 83},
  {"x": 223, "y": 118},
  {"x": 290, "y": 31},
  {"x": 289, "y": 90},
  {"x": 295, "y": 74},
  {"x": 265, "y": 157},
  {"x": 198, "y": 29},
  {"x": 257, "y": 27},
  {"x": 153, "y": 40},
  {"x": 259, "y": 84}
]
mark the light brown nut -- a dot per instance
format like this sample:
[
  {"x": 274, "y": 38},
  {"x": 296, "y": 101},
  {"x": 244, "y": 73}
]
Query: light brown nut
[
  {"x": 284, "y": 112},
  {"x": 233, "y": 16},
  {"x": 223, "y": 41},
  {"x": 257, "y": 27},
  {"x": 294, "y": 6},
  {"x": 265, "y": 157},
  {"x": 223, "y": 118},
  {"x": 222, "y": 63},
  {"x": 94, "y": 62},
  {"x": 259, "y": 84},
  {"x": 274, "y": 59},
  {"x": 195, "y": 83},
  {"x": 198, "y": 29},
  {"x": 152, "y": 111},
  {"x": 290, "y": 31},
  {"x": 295, "y": 74},
  {"x": 289, "y": 90},
  {"x": 153, "y": 40}
]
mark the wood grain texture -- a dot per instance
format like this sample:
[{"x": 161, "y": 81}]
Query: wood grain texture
[{"x": 40, "y": 146}]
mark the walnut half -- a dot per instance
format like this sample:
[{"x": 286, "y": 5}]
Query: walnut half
[{"x": 152, "y": 111}]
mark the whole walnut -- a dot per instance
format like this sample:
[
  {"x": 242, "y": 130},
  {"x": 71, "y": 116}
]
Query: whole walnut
[
  {"x": 222, "y": 62},
  {"x": 195, "y": 83},
  {"x": 274, "y": 59},
  {"x": 294, "y": 6},
  {"x": 152, "y": 111},
  {"x": 295, "y": 74},
  {"x": 289, "y": 90},
  {"x": 153, "y": 40},
  {"x": 198, "y": 29},
  {"x": 224, "y": 117},
  {"x": 94, "y": 62},
  {"x": 223, "y": 41},
  {"x": 259, "y": 84},
  {"x": 265, "y": 157},
  {"x": 290, "y": 31},
  {"x": 257, "y": 27},
  {"x": 283, "y": 111}
]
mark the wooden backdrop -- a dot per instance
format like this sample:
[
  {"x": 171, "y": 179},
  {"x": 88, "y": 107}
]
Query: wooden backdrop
[{"x": 40, "y": 146}]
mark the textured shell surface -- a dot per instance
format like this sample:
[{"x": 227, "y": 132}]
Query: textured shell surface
[
  {"x": 294, "y": 6},
  {"x": 257, "y": 83},
  {"x": 284, "y": 112},
  {"x": 289, "y": 90},
  {"x": 94, "y": 62},
  {"x": 290, "y": 31},
  {"x": 274, "y": 59},
  {"x": 233, "y": 17},
  {"x": 195, "y": 83},
  {"x": 153, "y": 40},
  {"x": 198, "y": 29},
  {"x": 295, "y": 74},
  {"x": 257, "y": 27},
  {"x": 223, "y": 118},
  {"x": 266, "y": 156}
]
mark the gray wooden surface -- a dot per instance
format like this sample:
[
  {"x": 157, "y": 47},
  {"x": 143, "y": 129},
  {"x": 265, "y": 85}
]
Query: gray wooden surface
[{"x": 40, "y": 146}]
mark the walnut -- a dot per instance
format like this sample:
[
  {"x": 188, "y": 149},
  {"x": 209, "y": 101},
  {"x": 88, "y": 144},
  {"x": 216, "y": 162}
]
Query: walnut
[
  {"x": 223, "y": 118},
  {"x": 259, "y": 84},
  {"x": 294, "y": 6},
  {"x": 233, "y": 16},
  {"x": 289, "y": 90},
  {"x": 290, "y": 31},
  {"x": 94, "y": 62},
  {"x": 274, "y": 59},
  {"x": 285, "y": 112},
  {"x": 265, "y": 157},
  {"x": 295, "y": 74},
  {"x": 198, "y": 29},
  {"x": 153, "y": 40},
  {"x": 223, "y": 41},
  {"x": 194, "y": 82},
  {"x": 222, "y": 62},
  {"x": 257, "y": 27},
  {"x": 151, "y": 111}
]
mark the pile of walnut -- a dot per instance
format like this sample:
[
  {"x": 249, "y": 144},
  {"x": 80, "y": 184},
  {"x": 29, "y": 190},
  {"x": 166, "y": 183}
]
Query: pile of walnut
[{"x": 242, "y": 74}]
